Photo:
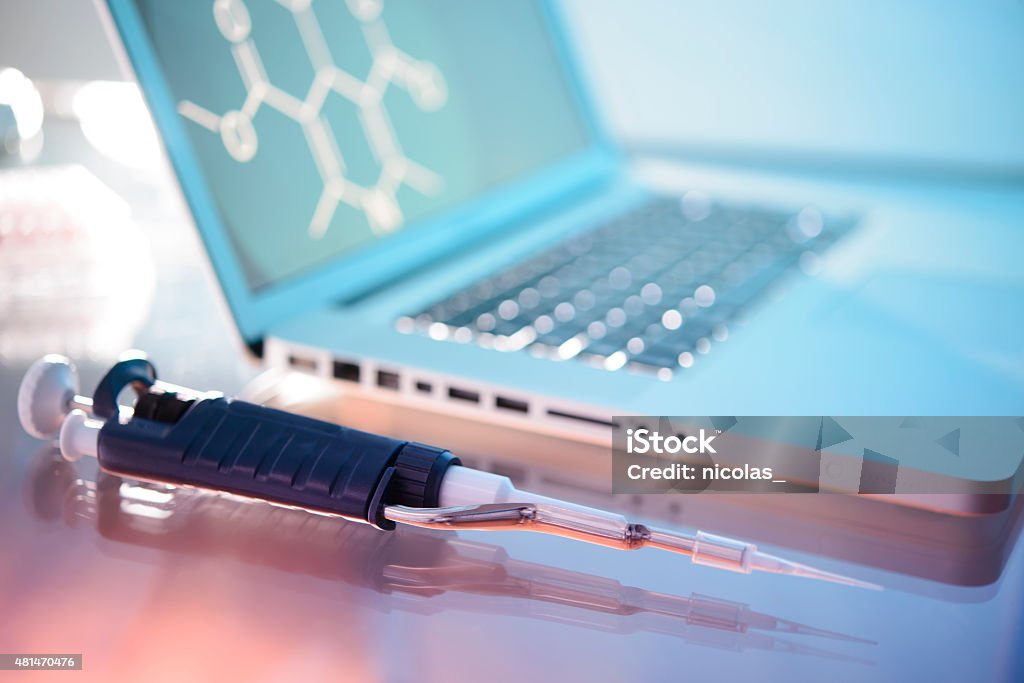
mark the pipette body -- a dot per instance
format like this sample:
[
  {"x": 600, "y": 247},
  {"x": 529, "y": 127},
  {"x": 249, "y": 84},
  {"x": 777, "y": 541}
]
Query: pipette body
[{"x": 205, "y": 440}]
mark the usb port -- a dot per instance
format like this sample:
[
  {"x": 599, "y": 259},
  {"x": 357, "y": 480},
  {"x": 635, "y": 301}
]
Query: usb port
[
  {"x": 302, "y": 363},
  {"x": 424, "y": 387},
  {"x": 506, "y": 403},
  {"x": 388, "y": 380},
  {"x": 346, "y": 371},
  {"x": 463, "y": 395}
]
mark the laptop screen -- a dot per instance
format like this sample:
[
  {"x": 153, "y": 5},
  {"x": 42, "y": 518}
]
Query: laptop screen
[{"x": 323, "y": 128}]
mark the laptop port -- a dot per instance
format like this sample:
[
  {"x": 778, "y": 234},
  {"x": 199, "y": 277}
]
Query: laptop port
[
  {"x": 302, "y": 363},
  {"x": 464, "y": 395},
  {"x": 516, "y": 405},
  {"x": 346, "y": 371},
  {"x": 581, "y": 418},
  {"x": 388, "y": 380},
  {"x": 424, "y": 387}
]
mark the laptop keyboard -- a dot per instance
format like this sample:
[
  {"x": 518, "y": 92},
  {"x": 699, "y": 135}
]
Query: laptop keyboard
[{"x": 651, "y": 289}]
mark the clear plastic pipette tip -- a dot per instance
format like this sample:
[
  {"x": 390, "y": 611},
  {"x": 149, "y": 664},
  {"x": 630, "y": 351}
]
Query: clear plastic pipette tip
[
  {"x": 776, "y": 565},
  {"x": 739, "y": 556}
]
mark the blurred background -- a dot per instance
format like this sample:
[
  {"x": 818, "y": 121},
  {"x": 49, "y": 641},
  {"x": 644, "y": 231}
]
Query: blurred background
[{"x": 900, "y": 87}]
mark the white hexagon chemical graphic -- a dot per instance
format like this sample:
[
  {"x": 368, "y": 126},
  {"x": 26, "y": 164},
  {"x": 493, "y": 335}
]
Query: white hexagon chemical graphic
[{"x": 423, "y": 81}]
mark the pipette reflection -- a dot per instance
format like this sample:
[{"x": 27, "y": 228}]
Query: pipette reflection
[{"x": 410, "y": 565}]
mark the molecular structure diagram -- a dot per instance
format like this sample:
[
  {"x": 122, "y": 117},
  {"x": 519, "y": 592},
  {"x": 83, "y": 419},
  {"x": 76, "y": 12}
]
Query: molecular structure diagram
[{"x": 423, "y": 81}]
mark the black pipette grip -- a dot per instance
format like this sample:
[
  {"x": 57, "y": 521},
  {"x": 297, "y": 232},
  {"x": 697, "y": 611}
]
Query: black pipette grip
[{"x": 258, "y": 452}]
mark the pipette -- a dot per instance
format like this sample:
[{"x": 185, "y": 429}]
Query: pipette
[{"x": 204, "y": 440}]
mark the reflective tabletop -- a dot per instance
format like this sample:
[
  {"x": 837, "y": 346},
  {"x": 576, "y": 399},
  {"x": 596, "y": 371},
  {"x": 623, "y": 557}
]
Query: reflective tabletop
[{"x": 154, "y": 583}]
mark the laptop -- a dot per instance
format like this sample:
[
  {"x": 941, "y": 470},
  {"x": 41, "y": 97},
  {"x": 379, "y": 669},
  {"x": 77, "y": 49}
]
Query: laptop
[{"x": 418, "y": 199}]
